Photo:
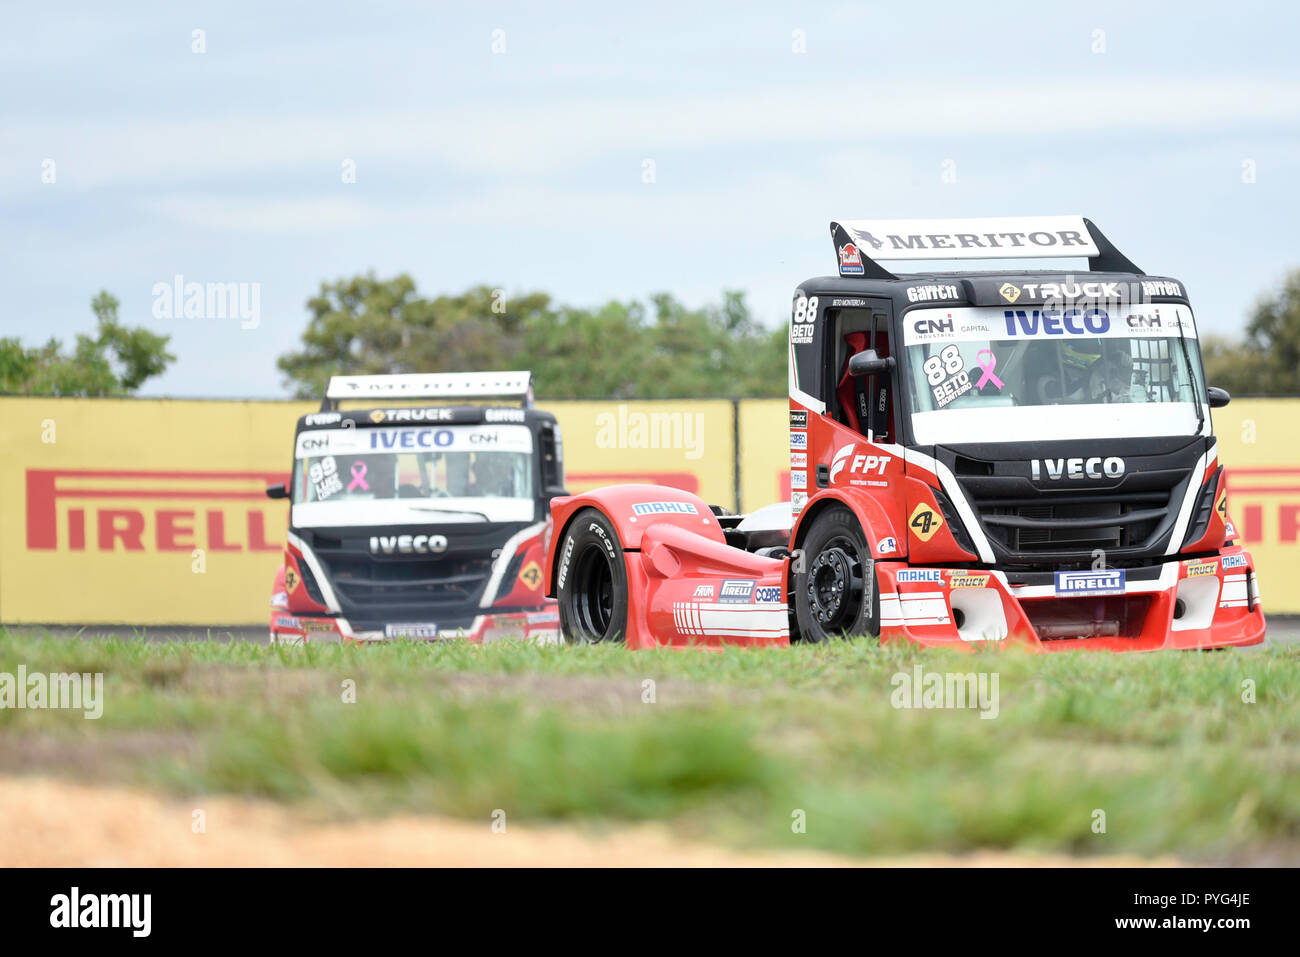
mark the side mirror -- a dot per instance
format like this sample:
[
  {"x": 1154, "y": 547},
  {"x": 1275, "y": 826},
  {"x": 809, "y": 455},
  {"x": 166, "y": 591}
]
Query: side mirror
[
  {"x": 278, "y": 490},
  {"x": 1218, "y": 397},
  {"x": 867, "y": 362}
]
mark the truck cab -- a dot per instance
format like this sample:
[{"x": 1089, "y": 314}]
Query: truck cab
[
  {"x": 1021, "y": 451},
  {"x": 416, "y": 520}
]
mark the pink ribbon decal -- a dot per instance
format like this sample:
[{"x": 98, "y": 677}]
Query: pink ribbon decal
[
  {"x": 988, "y": 365},
  {"x": 358, "y": 477}
]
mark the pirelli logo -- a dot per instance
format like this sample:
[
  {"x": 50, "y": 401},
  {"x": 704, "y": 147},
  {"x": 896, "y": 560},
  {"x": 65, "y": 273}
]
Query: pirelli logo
[
  {"x": 1265, "y": 504},
  {"x": 151, "y": 511}
]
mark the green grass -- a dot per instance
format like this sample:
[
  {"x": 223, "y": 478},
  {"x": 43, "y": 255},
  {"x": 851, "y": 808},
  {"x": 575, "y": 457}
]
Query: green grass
[{"x": 734, "y": 744}]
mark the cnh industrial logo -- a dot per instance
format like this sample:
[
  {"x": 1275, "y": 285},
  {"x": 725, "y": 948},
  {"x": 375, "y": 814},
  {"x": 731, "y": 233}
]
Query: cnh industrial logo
[{"x": 146, "y": 510}]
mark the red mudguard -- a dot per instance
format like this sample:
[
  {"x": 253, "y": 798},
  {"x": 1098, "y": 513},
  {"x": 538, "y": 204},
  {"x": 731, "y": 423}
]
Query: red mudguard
[{"x": 686, "y": 586}]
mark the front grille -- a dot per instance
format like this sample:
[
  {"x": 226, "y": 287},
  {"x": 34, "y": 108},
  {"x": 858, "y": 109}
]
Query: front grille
[
  {"x": 375, "y": 588},
  {"x": 1067, "y": 525},
  {"x": 434, "y": 584},
  {"x": 1029, "y": 524}
]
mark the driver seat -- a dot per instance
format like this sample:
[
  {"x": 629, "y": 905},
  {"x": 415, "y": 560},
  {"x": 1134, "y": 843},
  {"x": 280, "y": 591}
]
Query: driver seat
[{"x": 856, "y": 406}]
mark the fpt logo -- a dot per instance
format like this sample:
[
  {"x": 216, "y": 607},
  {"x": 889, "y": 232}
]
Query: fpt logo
[
  {"x": 112, "y": 510},
  {"x": 858, "y": 464}
]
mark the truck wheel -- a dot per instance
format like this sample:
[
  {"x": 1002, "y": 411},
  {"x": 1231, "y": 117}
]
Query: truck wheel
[
  {"x": 835, "y": 593},
  {"x": 591, "y": 581}
]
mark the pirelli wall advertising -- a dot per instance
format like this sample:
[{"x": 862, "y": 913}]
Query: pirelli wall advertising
[
  {"x": 1258, "y": 445},
  {"x": 149, "y": 512},
  {"x": 154, "y": 512},
  {"x": 141, "y": 512}
]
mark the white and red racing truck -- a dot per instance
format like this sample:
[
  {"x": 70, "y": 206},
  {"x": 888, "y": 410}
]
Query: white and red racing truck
[
  {"x": 975, "y": 457},
  {"x": 415, "y": 520}
]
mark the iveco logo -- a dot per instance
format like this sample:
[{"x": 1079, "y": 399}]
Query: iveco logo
[
  {"x": 1091, "y": 468},
  {"x": 407, "y": 544}
]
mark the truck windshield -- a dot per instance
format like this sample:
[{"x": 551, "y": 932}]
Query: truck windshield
[
  {"x": 1036, "y": 373},
  {"x": 456, "y": 468}
]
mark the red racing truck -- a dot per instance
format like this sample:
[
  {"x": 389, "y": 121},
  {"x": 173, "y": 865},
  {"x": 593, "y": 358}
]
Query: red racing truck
[
  {"x": 975, "y": 457},
  {"x": 419, "y": 521}
]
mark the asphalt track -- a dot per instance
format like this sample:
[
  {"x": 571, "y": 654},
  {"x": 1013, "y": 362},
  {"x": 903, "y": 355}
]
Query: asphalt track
[{"x": 1282, "y": 630}]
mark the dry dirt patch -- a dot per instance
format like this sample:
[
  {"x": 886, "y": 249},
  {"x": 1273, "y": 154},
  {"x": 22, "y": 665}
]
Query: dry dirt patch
[{"x": 55, "y": 823}]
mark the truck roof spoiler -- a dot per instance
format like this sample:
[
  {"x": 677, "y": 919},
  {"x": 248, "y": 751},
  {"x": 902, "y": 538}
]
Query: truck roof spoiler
[
  {"x": 432, "y": 385},
  {"x": 860, "y": 242}
]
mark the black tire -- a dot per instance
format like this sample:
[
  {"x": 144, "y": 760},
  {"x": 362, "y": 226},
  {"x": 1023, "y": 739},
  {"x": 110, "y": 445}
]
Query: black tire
[
  {"x": 591, "y": 581},
  {"x": 835, "y": 589}
]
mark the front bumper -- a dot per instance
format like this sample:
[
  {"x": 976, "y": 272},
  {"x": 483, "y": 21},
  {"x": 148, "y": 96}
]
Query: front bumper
[
  {"x": 540, "y": 625},
  {"x": 1181, "y": 604}
]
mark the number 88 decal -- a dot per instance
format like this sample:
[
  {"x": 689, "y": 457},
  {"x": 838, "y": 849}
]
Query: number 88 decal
[
  {"x": 805, "y": 310},
  {"x": 946, "y": 363}
]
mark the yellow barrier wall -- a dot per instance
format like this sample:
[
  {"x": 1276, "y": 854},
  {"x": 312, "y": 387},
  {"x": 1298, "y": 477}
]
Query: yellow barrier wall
[
  {"x": 141, "y": 512},
  {"x": 152, "y": 511},
  {"x": 1259, "y": 442},
  {"x": 764, "y": 452}
]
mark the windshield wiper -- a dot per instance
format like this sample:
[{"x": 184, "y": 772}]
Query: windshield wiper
[
  {"x": 1191, "y": 377},
  {"x": 451, "y": 511}
]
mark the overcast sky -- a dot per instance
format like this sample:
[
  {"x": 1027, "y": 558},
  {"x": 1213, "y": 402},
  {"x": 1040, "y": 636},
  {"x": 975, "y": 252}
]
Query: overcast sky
[{"x": 524, "y": 169}]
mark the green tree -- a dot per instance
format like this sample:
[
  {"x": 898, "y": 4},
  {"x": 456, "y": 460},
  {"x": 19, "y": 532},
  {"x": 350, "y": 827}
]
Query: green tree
[
  {"x": 365, "y": 325},
  {"x": 1267, "y": 362},
  {"x": 1229, "y": 365},
  {"x": 115, "y": 361}
]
